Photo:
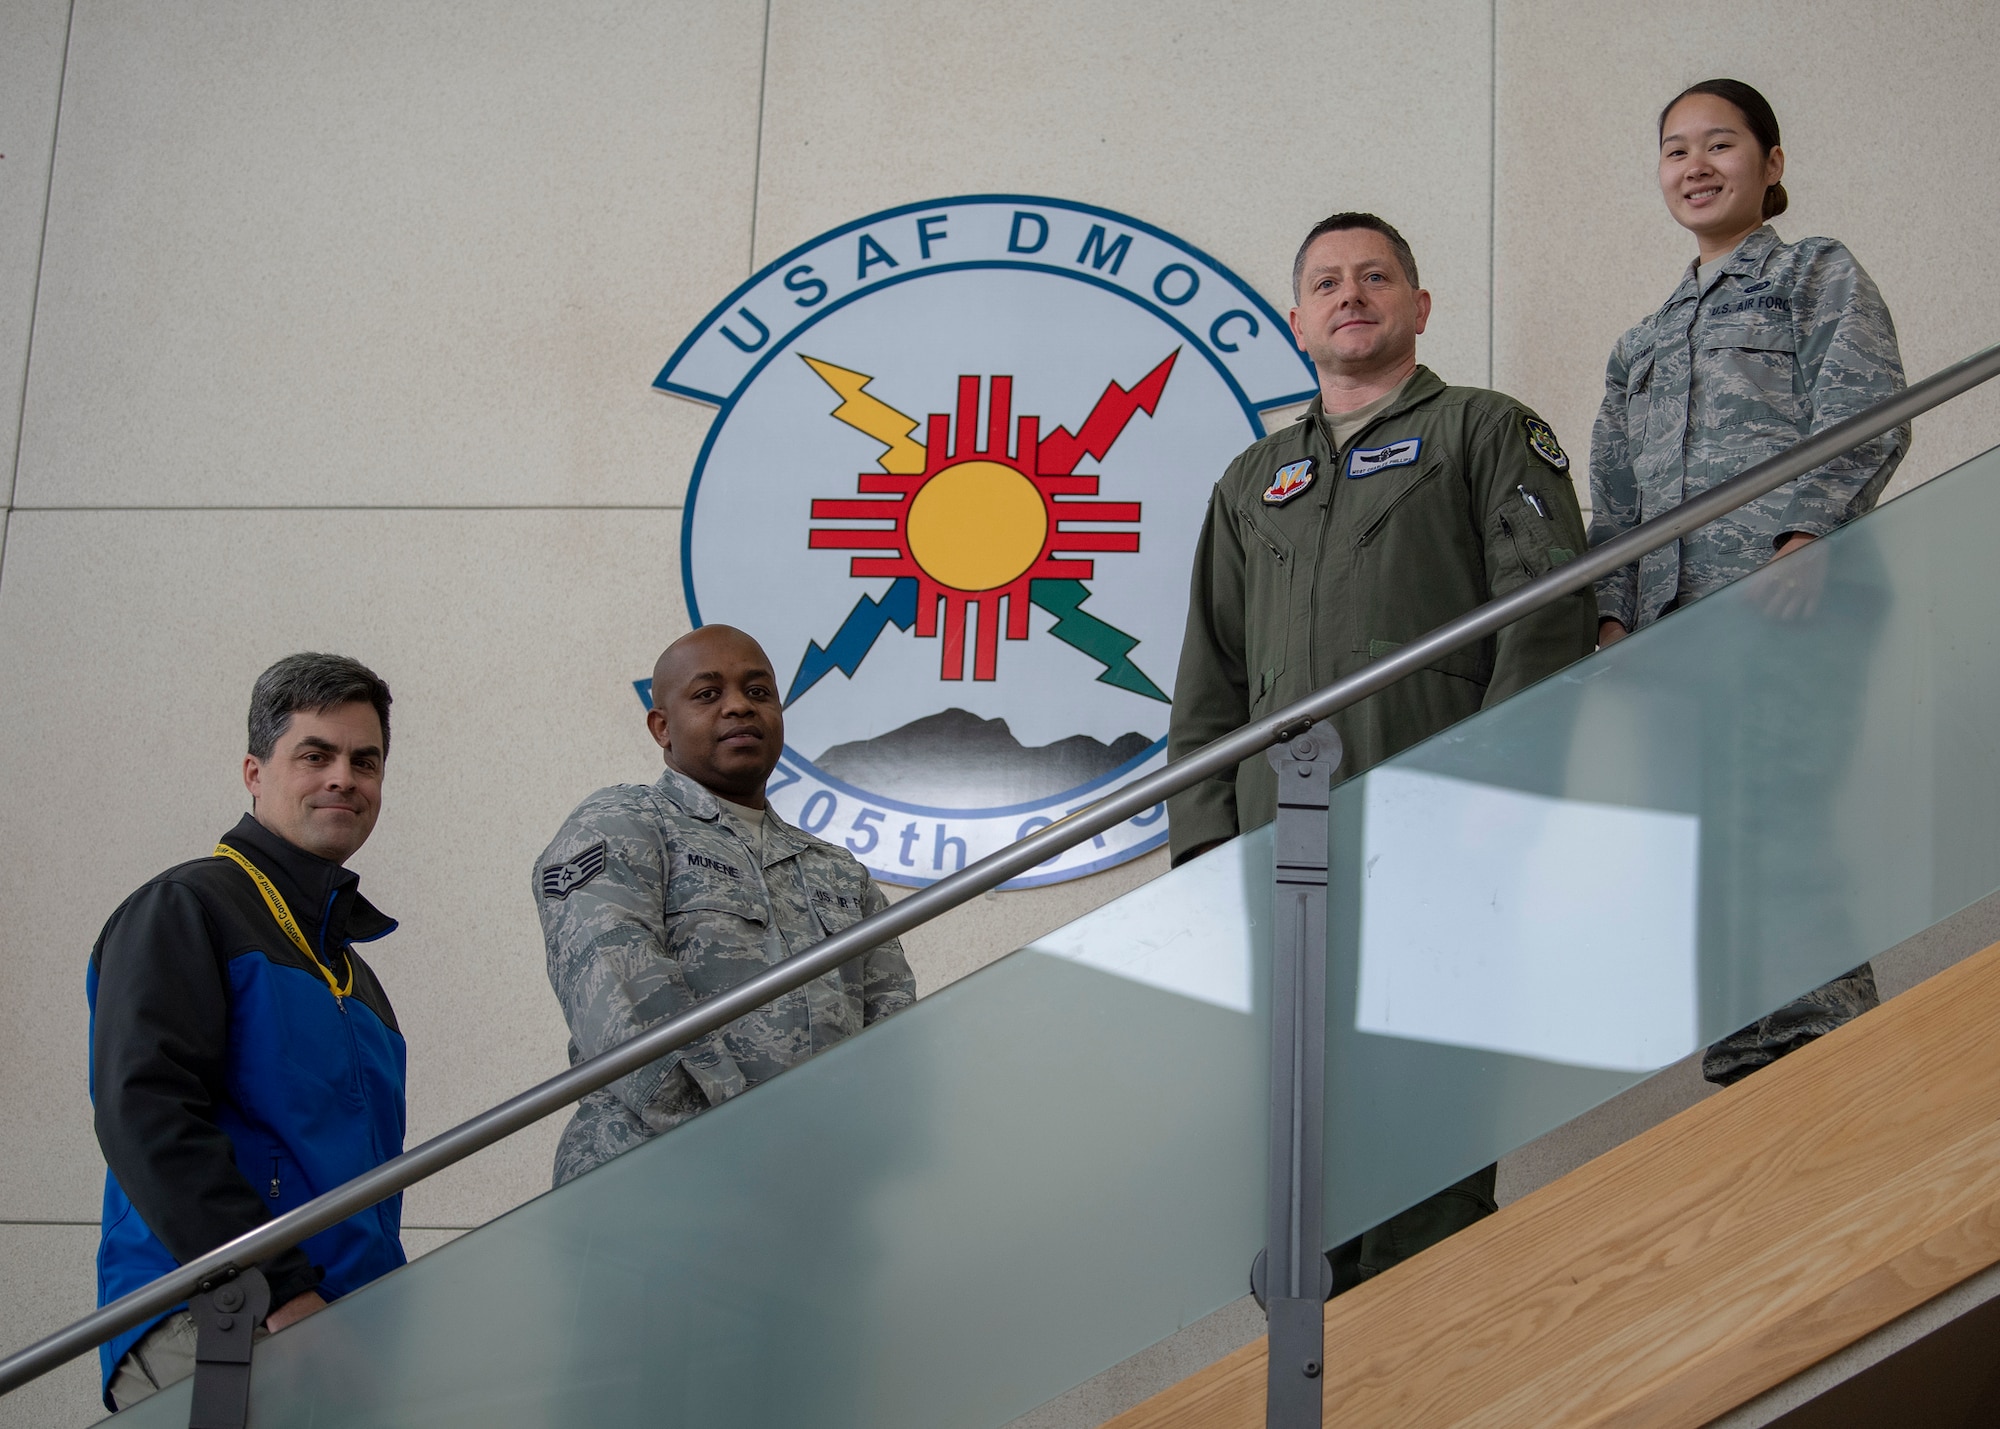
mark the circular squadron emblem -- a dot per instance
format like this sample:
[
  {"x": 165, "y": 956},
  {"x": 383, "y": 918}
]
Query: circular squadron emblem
[{"x": 953, "y": 486}]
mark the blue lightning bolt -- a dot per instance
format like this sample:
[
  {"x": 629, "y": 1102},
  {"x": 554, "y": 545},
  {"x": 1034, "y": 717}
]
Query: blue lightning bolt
[{"x": 857, "y": 635}]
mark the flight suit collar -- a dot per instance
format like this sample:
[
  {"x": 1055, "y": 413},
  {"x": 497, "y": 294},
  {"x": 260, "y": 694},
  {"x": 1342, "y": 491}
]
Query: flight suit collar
[
  {"x": 781, "y": 840},
  {"x": 1423, "y": 384},
  {"x": 324, "y": 897}
]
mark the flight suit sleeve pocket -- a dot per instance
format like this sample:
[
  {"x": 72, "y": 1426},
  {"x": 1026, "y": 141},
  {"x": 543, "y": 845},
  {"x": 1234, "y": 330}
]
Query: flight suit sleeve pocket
[{"x": 1518, "y": 526}]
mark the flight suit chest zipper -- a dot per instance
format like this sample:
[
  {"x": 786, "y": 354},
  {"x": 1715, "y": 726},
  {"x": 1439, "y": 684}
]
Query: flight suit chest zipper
[
  {"x": 1314, "y": 677},
  {"x": 1374, "y": 527}
]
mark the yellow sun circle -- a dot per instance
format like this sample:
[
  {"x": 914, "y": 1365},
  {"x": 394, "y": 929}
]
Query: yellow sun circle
[{"x": 977, "y": 525}]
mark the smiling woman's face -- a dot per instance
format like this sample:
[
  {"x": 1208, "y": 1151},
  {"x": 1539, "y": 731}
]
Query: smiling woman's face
[{"x": 1713, "y": 174}]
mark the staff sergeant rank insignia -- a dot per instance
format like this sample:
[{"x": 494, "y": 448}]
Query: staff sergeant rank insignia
[
  {"x": 1542, "y": 442},
  {"x": 1288, "y": 482},
  {"x": 559, "y": 880}
]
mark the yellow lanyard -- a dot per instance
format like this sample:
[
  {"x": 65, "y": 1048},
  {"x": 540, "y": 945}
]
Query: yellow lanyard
[{"x": 275, "y": 901}]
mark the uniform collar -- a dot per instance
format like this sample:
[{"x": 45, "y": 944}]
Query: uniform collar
[
  {"x": 781, "y": 840},
  {"x": 1743, "y": 262},
  {"x": 1422, "y": 385},
  {"x": 323, "y": 896}
]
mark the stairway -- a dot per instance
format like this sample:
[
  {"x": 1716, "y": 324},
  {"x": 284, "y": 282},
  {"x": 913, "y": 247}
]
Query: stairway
[
  {"x": 1047, "y": 1167},
  {"x": 1697, "y": 1265}
]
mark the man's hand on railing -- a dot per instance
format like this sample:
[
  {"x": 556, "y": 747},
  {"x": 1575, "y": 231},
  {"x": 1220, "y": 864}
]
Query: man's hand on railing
[
  {"x": 1610, "y": 630},
  {"x": 294, "y": 1310}
]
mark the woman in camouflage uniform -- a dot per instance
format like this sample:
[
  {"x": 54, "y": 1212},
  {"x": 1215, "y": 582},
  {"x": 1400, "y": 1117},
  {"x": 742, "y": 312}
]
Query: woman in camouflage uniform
[{"x": 1760, "y": 344}]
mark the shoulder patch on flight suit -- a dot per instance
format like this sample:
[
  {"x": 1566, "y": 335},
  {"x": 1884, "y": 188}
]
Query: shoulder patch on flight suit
[
  {"x": 559, "y": 880},
  {"x": 1542, "y": 442},
  {"x": 1366, "y": 462},
  {"x": 1288, "y": 481}
]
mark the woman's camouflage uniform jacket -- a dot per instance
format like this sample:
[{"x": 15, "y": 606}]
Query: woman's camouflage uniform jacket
[{"x": 1789, "y": 338}]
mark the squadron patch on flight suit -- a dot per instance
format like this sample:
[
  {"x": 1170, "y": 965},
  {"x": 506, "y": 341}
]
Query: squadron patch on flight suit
[
  {"x": 1542, "y": 442},
  {"x": 1289, "y": 481}
]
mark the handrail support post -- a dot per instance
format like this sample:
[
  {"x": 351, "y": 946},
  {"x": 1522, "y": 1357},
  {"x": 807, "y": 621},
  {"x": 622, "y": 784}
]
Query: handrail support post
[
  {"x": 1296, "y": 1279},
  {"x": 226, "y": 1313}
]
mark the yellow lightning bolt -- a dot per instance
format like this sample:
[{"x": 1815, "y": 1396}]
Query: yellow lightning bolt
[{"x": 874, "y": 417}]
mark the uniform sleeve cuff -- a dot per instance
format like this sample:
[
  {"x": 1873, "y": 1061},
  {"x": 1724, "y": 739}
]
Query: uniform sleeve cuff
[
  {"x": 713, "y": 1070},
  {"x": 290, "y": 1275},
  {"x": 1798, "y": 522}
]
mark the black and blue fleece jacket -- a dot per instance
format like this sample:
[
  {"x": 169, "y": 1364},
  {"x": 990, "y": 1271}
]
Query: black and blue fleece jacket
[{"x": 230, "y": 1083}]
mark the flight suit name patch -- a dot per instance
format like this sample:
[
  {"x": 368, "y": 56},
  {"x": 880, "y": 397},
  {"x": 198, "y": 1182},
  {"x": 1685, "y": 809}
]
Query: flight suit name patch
[
  {"x": 1366, "y": 461},
  {"x": 1288, "y": 481}
]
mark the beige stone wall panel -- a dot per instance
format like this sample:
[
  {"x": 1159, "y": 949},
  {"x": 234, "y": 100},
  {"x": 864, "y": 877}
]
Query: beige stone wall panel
[
  {"x": 1234, "y": 126},
  {"x": 47, "y": 1283},
  {"x": 128, "y": 642},
  {"x": 1887, "y": 114},
  {"x": 31, "y": 67},
  {"x": 387, "y": 254}
]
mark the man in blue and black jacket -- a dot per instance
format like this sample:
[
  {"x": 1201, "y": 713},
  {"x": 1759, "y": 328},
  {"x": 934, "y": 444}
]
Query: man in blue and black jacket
[{"x": 243, "y": 1058}]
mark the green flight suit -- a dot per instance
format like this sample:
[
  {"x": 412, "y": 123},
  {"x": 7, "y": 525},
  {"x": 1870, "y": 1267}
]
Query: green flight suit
[
  {"x": 1437, "y": 506},
  {"x": 1448, "y": 498}
]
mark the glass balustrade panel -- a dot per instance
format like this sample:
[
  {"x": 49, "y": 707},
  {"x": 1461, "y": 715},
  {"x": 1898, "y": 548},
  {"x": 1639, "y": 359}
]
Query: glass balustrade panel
[
  {"x": 1042, "y": 1169},
  {"x": 1662, "y": 844}
]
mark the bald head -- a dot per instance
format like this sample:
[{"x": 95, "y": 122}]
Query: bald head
[
  {"x": 689, "y": 652},
  {"x": 716, "y": 712}
]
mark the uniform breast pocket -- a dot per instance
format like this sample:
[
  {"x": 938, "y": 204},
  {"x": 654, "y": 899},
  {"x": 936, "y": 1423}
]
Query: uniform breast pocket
[
  {"x": 1749, "y": 374},
  {"x": 717, "y": 936},
  {"x": 836, "y": 909}
]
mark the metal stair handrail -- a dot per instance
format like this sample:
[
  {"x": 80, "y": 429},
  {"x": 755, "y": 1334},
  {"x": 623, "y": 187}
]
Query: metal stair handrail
[{"x": 450, "y": 1147}]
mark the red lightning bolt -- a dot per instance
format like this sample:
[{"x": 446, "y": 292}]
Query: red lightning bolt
[{"x": 1060, "y": 451}]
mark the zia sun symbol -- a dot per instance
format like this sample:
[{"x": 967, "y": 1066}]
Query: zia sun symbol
[{"x": 974, "y": 532}]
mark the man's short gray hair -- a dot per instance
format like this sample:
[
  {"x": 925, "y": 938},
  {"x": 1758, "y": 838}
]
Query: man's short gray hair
[
  {"x": 315, "y": 683},
  {"x": 1340, "y": 223}
]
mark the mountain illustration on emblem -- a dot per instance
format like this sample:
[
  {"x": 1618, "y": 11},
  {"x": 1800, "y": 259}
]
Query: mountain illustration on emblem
[{"x": 958, "y": 760}]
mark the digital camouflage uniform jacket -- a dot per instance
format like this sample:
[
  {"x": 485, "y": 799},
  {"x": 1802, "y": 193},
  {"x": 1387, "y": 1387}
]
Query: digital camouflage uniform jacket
[
  {"x": 1788, "y": 339},
  {"x": 651, "y": 901},
  {"x": 1305, "y": 573}
]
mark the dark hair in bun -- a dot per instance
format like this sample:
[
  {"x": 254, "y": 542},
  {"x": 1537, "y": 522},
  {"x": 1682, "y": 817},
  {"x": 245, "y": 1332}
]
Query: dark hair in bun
[{"x": 1757, "y": 113}]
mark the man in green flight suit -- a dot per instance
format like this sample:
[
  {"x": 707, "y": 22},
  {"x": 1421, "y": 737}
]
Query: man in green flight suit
[{"x": 1394, "y": 505}]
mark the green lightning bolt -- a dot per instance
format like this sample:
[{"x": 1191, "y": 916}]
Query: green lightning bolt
[{"x": 1106, "y": 644}]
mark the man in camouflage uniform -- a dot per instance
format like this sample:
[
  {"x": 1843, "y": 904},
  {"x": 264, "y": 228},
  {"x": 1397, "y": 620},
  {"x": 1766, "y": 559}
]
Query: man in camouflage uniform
[
  {"x": 1750, "y": 354},
  {"x": 654, "y": 898}
]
